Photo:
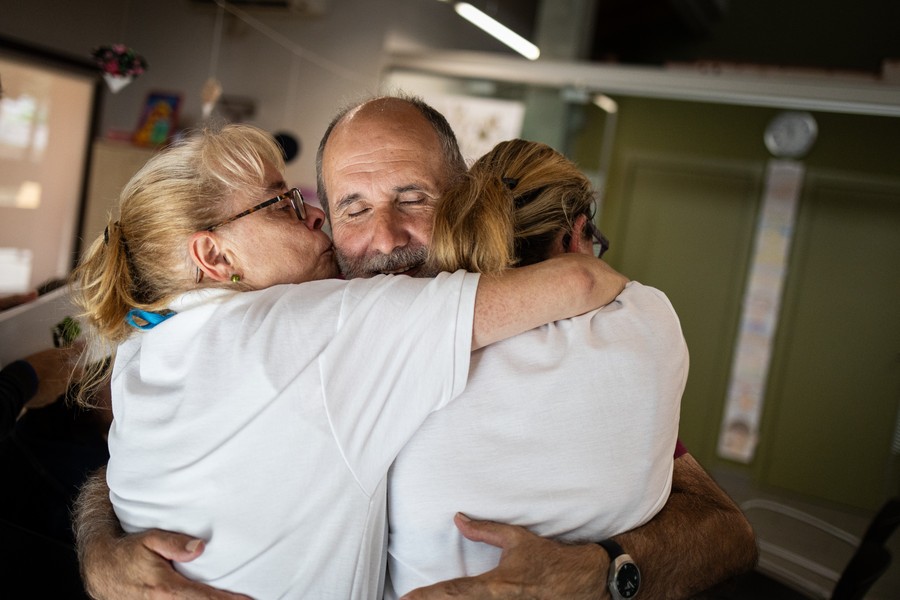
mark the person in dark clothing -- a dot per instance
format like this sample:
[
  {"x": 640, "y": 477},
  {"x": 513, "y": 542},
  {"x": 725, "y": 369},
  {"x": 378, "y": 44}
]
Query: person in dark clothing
[
  {"x": 45, "y": 455},
  {"x": 34, "y": 381}
]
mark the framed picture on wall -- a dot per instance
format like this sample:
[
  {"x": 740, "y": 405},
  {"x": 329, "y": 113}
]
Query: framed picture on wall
[{"x": 159, "y": 118}]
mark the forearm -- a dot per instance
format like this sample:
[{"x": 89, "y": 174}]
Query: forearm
[
  {"x": 699, "y": 539},
  {"x": 138, "y": 565},
  {"x": 521, "y": 299},
  {"x": 96, "y": 526}
]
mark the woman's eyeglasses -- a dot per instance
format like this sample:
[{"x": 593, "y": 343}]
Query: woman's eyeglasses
[
  {"x": 598, "y": 237},
  {"x": 293, "y": 196}
]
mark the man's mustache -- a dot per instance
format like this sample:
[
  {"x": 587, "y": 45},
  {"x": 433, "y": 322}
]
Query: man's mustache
[{"x": 399, "y": 259}]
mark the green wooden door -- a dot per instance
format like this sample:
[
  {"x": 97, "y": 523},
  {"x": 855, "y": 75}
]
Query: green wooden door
[
  {"x": 681, "y": 208},
  {"x": 688, "y": 232},
  {"x": 683, "y": 197}
]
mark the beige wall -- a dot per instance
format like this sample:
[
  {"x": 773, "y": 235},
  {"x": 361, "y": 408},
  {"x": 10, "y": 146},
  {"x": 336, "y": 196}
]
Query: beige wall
[{"x": 176, "y": 38}]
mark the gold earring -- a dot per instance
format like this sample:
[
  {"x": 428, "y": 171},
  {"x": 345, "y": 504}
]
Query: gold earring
[{"x": 235, "y": 278}]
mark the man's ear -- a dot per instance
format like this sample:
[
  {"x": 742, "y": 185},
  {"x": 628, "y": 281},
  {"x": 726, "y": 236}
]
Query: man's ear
[{"x": 209, "y": 256}]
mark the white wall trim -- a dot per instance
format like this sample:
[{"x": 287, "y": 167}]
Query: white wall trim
[{"x": 841, "y": 93}]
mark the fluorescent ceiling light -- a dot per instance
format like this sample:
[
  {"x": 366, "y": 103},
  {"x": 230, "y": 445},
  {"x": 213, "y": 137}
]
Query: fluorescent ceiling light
[{"x": 498, "y": 30}]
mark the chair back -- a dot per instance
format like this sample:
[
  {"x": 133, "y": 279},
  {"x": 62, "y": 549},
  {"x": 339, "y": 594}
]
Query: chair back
[{"x": 871, "y": 558}]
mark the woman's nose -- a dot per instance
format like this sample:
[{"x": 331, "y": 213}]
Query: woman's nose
[{"x": 315, "y": 217}]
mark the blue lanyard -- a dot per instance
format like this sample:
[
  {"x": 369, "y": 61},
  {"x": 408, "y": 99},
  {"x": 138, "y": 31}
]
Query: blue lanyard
[{"x": 151, "y": 318}]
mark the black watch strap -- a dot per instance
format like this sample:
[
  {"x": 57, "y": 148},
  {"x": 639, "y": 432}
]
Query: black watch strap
[
  {"x": 624, "y": 578},
  {"x": 612, "y": 548}
]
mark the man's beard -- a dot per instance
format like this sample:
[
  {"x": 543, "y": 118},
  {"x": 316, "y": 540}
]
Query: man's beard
[{"x": 401, "y": 259}]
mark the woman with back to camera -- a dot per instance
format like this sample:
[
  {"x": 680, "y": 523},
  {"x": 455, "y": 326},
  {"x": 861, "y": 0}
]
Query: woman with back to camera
[
  {"x": 568, "y": 429},
  {"x": 262, "y": 415}
]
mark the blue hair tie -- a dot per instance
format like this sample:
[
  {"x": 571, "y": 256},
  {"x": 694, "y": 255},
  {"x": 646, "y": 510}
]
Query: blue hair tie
[{"x": 151, "y": 319}]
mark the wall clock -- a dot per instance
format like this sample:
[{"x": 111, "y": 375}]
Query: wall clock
[{"x": 790, "y": 134}]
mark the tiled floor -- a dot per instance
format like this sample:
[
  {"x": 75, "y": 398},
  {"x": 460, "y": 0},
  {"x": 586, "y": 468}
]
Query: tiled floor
[{"x": 824, "y": 551}]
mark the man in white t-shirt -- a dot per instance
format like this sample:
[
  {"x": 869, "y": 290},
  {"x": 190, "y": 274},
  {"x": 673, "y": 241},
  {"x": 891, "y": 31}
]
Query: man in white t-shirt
[{"x": 381, "y": 167}]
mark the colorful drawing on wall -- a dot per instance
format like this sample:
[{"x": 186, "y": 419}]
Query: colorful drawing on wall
[
  {"x": 739, "y": 431},
  {"x": 158, "y": 120}
]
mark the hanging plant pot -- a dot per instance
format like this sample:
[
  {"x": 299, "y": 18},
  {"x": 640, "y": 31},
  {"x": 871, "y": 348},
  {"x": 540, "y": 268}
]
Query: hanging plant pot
[
  {"x": 117, "y": 82},
  {"x": 119, "y": 64}
]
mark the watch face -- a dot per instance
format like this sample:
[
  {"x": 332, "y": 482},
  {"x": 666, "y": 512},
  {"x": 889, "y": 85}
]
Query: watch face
[{"x": 628, "y": 580}]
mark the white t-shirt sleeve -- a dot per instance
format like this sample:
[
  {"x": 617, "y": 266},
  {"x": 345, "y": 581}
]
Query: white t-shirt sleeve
[{"x": 401, "y": 351}]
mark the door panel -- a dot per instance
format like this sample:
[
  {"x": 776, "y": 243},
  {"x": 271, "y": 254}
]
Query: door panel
[{"x": 831, "y": 406}]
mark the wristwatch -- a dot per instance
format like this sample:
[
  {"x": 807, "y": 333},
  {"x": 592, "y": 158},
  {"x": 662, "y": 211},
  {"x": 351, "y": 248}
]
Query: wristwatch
[{"x": 624, "y": 576}]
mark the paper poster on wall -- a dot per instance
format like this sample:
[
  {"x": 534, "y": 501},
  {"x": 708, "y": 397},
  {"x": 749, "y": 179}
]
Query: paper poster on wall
[
  {"x": 479, "y": 123},
  {"x": 739, "y": 433},
  {"x": 159, "y": 119}
]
